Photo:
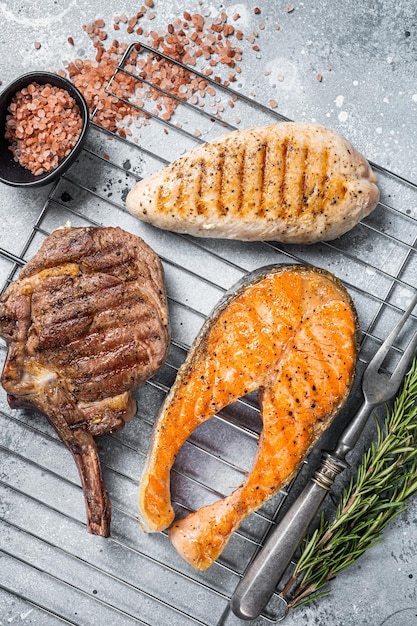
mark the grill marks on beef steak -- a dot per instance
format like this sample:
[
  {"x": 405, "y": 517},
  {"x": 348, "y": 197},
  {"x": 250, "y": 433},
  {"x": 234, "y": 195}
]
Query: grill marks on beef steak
[{"x": 85, "y": 323}]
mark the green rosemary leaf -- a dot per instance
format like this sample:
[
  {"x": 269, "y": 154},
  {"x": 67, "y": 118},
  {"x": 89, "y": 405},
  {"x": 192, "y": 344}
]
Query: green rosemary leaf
[
  {"x": 385, "y": 479},
  {"x": 313, "y": 597}
]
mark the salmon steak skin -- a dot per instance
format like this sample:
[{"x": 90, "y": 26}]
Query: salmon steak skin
[
  {"x": 296, "y": 183},
  {"x": 288, "y": 331},
  {"x": 85, "y": 322}
]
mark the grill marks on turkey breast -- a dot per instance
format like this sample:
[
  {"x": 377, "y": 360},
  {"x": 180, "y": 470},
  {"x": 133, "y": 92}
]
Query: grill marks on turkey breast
[
  {"x": 85, "y": 323},
  {"x": 296, "y": 183}
]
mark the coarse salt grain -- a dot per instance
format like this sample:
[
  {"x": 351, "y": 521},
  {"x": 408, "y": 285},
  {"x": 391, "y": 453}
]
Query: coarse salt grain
[
  {"x": 50, "y": 126},
  {"x": 191, "y": 39}
]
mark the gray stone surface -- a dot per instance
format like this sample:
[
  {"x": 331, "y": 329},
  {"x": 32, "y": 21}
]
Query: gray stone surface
[{"x": 366, "y": 56}]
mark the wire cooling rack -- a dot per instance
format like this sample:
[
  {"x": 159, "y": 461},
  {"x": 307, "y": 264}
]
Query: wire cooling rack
[{"x": 51, "y": 570}]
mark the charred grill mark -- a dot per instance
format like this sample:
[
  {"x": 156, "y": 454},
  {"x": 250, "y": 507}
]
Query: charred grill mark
[
  {"x": 65, "y": 307},
  {"x": 297, "y": 178},
  {"x": 121, "y": 356},
  {"x": 221, "y": 208},
  {"x": 59, "y": 334},
  {"x": 285, "y": 150},
  {"x": 129, "y": 355},
  {"x": 262, "y": 191},
  {"x": 132, "y": 311},
  {"x": 68, "y": 314},
  {"x": 131, "y": 351},
  {"x": 333, "y": 187},
  {"x": 137, "y": 343},
  {"x": 107, "y": 255},
  {"x": 108, "y": 381},
  {"x": 305, "y": 192},
  {"x": 312, "y": 182},
  {"x": 240, "y": 180},
  {"x": 199, "y": 181},
  {"x": 323, "y": 189},
  {"x": 75, "y": 322},
  {"x": 180, "y": 194}
]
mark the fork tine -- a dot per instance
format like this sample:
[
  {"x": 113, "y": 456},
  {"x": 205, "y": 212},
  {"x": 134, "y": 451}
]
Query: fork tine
[
  {"x": 380, "y": 355},
  {"x": 403, "y": 364}
]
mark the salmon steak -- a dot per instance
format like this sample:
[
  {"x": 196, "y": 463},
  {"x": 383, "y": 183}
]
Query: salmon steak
[
  {"x": 288, "y": 331},
  {"x": 85, "y": 323},
  {"x": 297, "y": 183}
]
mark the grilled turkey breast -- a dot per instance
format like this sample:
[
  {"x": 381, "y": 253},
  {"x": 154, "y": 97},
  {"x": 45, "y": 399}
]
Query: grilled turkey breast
[
  {"x": 85, "y": 323},
  {"x": 294, "y": 183},
  {"x": 289, "y": 331}
]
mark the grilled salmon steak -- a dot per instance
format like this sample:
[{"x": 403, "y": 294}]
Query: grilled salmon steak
[
  {"x": 85, "y": 323},
  {"x": 293, "y": 183},
  {"x": 291, "y": 333}
]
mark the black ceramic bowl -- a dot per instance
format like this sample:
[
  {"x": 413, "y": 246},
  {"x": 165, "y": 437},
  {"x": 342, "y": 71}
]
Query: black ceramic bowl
[{"x": 11, "y": 172}]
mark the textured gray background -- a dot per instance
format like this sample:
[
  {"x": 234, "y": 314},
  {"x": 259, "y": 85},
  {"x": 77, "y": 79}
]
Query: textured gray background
[{"x": 366, "y": 54}]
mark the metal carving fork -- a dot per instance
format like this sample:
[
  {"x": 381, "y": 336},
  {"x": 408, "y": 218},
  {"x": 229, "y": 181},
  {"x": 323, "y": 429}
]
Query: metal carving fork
[{"x": 264, "y": 573}]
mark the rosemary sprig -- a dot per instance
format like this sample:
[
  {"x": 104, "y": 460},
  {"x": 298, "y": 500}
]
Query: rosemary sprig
[{"x": 384, "y": 481}]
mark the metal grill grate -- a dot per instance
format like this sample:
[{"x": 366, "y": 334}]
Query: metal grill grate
[{"x": 50, "y": 568}]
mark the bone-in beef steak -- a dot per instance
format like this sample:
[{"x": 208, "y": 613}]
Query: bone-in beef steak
[{"x": 85, "y": 323}]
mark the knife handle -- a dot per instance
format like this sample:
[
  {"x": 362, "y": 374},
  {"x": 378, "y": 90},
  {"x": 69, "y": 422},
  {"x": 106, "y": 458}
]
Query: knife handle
[{"x": 257, "y": 585}]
